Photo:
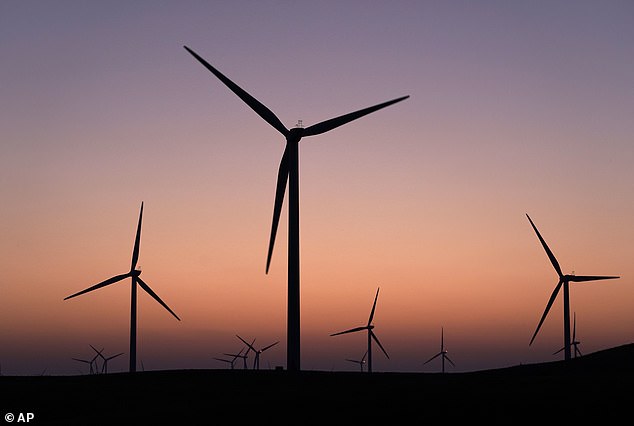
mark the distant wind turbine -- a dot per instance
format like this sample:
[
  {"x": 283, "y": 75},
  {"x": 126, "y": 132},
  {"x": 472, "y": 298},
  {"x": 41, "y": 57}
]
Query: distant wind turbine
[
  {"x": 233, "y": 359},
  {"x": 104, "y": 359},
  {"x": 361, "y": 361},
  {"x": 289, "y": 171},
  {"x": 442, "y": 353},
  {"x": 564, "y": 281},
  {"x": 241, "y": 355},
  {"x": 92, "y": 362},
  {"x": 369, "y": 327},
  {"x": 89, "y": 362},
  {"x": 256, "y": 361},
  {"x": 136, "y": 279},
  {"x": 575, "y": 343}
]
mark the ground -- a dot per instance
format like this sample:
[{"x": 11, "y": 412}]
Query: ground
[{"x": 596, "y": 387}]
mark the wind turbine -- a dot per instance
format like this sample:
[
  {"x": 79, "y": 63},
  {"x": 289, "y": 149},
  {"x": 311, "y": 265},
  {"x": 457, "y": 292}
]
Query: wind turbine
[
  {"x": 574, "y": 342},
  {"x": 233, "y": 360},
  {"x": 361, "y": 361},
  {"x": 564, "y": 281},
  {"x": 442, "y": 353},
  {"x": 93, "y": 362},
  {"x": 85, "y": 361},
  {"x": 371, "y": 334},
  {"x": 256, "y": 361},
  {"x": 136, "y": 279},
  {"x": 104, "y": 359},
  {"x": 98, "y": 354},
  {"x": 240, "y": 355},
  {"x": 289, "y": 171}
]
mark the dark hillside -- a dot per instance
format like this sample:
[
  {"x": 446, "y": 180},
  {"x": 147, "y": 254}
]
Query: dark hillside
[{"x": 596, "y": 388}]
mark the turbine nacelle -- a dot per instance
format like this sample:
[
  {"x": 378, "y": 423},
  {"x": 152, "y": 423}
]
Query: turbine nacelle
[{"x": 295, "y": 134}]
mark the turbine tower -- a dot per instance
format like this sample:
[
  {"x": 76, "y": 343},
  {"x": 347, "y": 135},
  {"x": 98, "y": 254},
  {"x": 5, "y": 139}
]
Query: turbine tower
[
  {"x": 564, "y": 281},
  {"x": 136, "y": 279},
  {"x": 289, "y": 172},
  {"x": 369, "y": 327}
]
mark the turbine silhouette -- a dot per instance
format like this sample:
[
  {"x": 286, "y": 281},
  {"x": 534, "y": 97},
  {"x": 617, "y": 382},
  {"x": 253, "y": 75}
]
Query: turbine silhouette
[
  {"x": 241, "y": 355},
  {"x": 104, "y": 359},
  {"x": 289, "y": 172},
  {"x": 564, "y": 281},
  {"x": 369, "y": 327},
  {"x": 136, "y": 279},
  {"x": 442, "y": 353},
  {"x": 233, "y": 359},
  {"x": 256, "y": 361},
  {"x": 92, "y": 362},
  {"x": 361, "y": 361},
  {"x": 575, "y": 343}
]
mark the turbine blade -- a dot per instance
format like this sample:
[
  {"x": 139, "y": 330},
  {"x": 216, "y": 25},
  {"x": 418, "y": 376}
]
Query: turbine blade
[
  {"x": 376, "y": 339},
  {"x": 99, "y": 353},
  {"x": 352, "y": 330},
  {"x": 137, "y": 241},
  {"x": 282, "y": 178},
  {"x": 550, "y": 254},
  {"x": 433, "y": 358},
  {"x": 555, "y": 353},
  {"x": 550, "y": 303},
  {"x": 250, "y": 345},
  {"x": 101, "y": 284},
  {"x": 574, "y": 327},
  {"x": 269, "y": 346},
  {"x": 450, "y": 361},
  {"x": 364, "y": 355},
  {"x": 581, "y": 278},
  {"x": 327, "y": 125},
  {"x": 373, "y": 307},
  {"x": 114, "y": 356},
  {"x": 255, "y": 105},
  {"x": 149, "y": 291}
]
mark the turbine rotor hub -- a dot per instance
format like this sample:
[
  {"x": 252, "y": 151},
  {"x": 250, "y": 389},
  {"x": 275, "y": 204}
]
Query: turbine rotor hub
[{"x": 295, "y": 134}]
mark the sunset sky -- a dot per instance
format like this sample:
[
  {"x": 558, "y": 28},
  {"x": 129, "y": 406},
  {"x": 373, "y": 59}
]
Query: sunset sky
[{"x": 515, "y": 107}]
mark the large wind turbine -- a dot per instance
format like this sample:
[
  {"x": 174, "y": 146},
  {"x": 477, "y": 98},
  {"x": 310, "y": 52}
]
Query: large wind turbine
[
  {"x": 371, "y": 334},
  {"x": 289, "y": 171},
  {"x": 134, "y": 275},
  {"x": 442, "y": 353},
  {"x": 564, "y": 281}
]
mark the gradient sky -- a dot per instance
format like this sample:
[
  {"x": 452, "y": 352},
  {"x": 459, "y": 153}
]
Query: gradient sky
[{"x": 516, "y": 107}]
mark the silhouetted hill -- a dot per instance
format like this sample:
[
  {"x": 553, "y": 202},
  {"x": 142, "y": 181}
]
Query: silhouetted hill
[{"x": 594, "y": 388}]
